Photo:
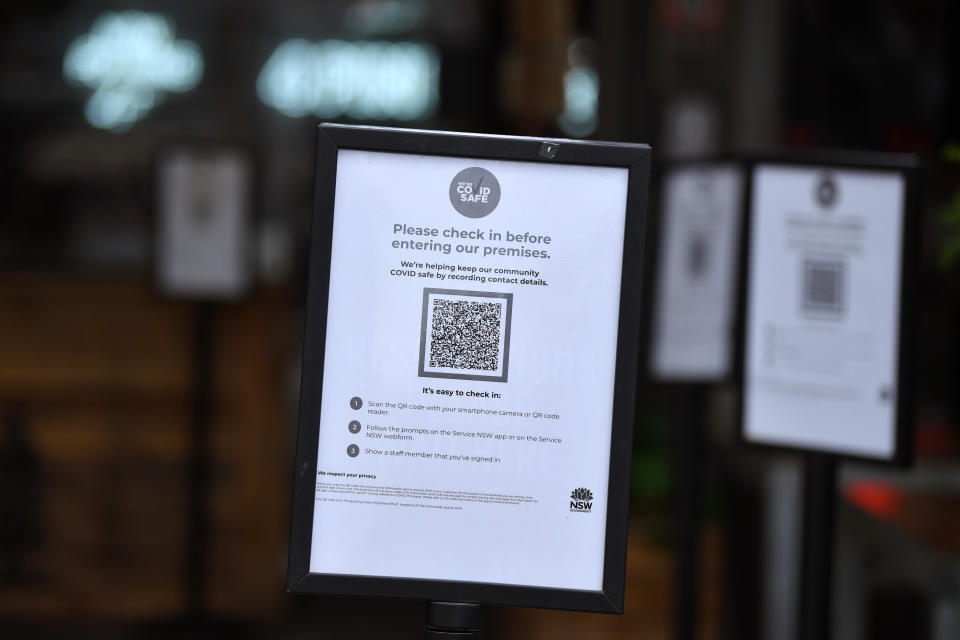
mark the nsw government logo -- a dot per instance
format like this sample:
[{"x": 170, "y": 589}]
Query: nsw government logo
[
  {"x": 581, "y": 500},
  {"x": 474, "y": 192}
]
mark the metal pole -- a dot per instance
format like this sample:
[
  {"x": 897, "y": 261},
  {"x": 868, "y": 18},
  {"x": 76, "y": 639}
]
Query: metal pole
[
  {"x": 819, "y": 506},
  {"x": 452, "y": 621},
  {"x": 197, "y": 498},
  {"x": 688, "y": 478}
]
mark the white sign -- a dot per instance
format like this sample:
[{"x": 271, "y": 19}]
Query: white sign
[
  {"x": 697, "y": 271},
  {"x": 823, "y": 308},
  {"x": 203, "y": 228},
  {"x": 465, "y": 429}
]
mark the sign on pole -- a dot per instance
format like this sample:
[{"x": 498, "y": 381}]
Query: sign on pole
[{"x": 469, "y": 368}]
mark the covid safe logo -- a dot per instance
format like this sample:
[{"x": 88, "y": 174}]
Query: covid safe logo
[
  {"x": 581, "y": 500},
  {"x": 474, "y": 192},
  {"x": 826, "y": 191}
]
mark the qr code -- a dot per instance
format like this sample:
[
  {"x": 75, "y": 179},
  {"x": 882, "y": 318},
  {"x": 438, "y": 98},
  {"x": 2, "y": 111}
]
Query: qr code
[
  {"x": 697, "y": 253},
  {"x": 465, "y": 334},
  {"x": 823, "y": 285}
]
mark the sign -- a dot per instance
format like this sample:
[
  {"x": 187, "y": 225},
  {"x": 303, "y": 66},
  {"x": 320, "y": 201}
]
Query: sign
[
  {"x": 373, "y": 79},
  {"x": 693, "y": 322},
  {"x": 823, "y": 356},
  {"x": 469, "y": 368},
  {"x": 131, "y": 60},
  {"x": 204, "y": 213}
]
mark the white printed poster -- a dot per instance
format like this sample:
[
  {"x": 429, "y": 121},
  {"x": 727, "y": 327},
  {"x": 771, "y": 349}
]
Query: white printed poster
[
  {"x": 204, "y": 211},
  {"x": 692, "y": 331},
  {"x": 823, "y": 305},
  {"x": 465, "y": 429}
]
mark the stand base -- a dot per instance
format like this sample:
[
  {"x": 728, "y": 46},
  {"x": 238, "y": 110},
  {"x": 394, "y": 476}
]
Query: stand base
[{"x": 452, "y": 621}]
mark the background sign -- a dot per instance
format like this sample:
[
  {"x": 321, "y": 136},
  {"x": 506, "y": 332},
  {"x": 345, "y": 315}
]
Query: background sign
[
  {"x": 204, "y": 213},
  {"x": 468, "y": 422},
  {"x": 822, "y": 360},
  {"x": 693, "y": 319}
]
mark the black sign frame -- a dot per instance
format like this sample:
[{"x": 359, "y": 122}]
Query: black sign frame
[
  {"x": 652, "y": 271},
  {"x": 907, "y": 166},
  {"x": 636, "y": 159}
]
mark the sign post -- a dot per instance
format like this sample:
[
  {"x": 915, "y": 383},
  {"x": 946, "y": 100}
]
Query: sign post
[
  {"x": 202, "y": 253},
  {"x": 816, "y": 572},
  {"x": 692, "y": 339},
  {"x": 469, "y": 369},
  {"x": 829, "y": 258}
]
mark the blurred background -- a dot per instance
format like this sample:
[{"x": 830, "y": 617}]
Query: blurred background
[{"x": 147, "y": 418}]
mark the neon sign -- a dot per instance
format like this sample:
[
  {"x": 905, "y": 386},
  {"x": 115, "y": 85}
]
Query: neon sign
[
  {"x": 366, "y": 80},
  {"x": 131, "y": 61}
]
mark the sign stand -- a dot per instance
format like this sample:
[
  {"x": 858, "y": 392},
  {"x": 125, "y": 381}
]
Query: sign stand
[
  {"x": 692, "y": 338},
  {"x": 204, "y": 202},
  {"x": 819, "y": 508},
  {"x": 452, "y": 621},
  {"x": 827, "y": 313}
]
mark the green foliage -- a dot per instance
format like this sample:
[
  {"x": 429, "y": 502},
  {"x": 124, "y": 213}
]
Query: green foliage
[
  {"x": 951, "y": 152},
  {"x": 950, "y": 251},
  {"x": 650, "y": 482}
]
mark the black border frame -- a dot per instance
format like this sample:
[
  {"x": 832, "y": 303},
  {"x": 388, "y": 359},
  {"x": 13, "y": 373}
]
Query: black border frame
[
  {"x": 908, "y": 166},
  {"x": 652, "y": 274},
  {"x": 636, "y": 158}
]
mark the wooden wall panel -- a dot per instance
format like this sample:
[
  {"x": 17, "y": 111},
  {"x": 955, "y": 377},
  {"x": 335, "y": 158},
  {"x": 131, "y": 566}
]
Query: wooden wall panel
[{"x": 101, "y": 372}]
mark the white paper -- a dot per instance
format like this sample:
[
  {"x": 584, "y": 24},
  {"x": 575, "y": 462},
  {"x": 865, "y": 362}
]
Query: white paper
[
  {"x": 696, "y": 274},
  {"x": 203, "y": 230},
  {"x": 823, "y": 310},
  {"x": 544, "y": 430}
]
